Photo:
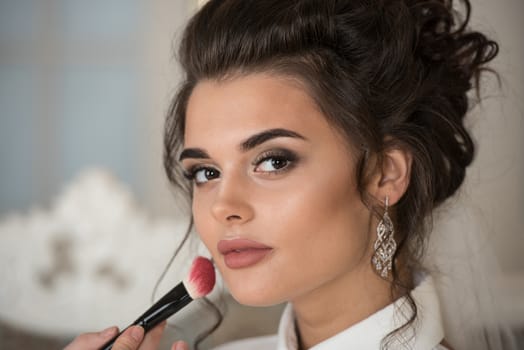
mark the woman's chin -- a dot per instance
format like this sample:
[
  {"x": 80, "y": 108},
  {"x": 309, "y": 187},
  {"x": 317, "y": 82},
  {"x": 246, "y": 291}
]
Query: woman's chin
[{"x": 256, "y": 298}]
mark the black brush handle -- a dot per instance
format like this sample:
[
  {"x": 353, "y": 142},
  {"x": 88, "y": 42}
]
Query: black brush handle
[{"x": 170, "y": 303}]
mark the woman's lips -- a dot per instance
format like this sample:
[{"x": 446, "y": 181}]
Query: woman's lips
[{"x": 240, "y": 253}]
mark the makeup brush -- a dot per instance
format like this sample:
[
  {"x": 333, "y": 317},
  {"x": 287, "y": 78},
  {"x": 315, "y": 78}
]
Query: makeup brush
[{"x": 197, "y": 284}]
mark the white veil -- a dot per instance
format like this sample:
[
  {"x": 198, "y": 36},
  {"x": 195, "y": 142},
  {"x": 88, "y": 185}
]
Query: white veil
[{"x": 461, "y": 259}]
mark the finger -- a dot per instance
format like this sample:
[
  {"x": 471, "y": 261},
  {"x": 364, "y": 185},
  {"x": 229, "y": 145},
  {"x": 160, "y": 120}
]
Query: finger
[
  {"x": 130, "y": 339},
  {"x": 180, "y": 345},
  {"x": 92, "y": 341},
  {"x": 152, "y": 338}
]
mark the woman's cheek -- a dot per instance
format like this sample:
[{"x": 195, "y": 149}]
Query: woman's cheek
[{"x": 203, "y": 224}]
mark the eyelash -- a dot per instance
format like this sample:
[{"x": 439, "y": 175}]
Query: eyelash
[
  {"x": 190, "y": 174},
  {"x": 279, "y": 154}
]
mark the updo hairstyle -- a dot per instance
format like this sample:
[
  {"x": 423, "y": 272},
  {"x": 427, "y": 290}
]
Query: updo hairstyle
[{"x": 386, "y": 74}]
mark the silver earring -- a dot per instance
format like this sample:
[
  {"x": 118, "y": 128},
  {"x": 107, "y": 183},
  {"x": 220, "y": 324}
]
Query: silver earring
[{"x": 385, "y": 245}]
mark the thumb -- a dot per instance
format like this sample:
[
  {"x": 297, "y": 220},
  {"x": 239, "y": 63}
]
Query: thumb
[{"x": 130, "y": 339}]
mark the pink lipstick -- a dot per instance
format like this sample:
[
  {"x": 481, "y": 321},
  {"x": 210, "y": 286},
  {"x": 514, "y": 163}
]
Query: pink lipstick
[{"x": 241, "y": 253}]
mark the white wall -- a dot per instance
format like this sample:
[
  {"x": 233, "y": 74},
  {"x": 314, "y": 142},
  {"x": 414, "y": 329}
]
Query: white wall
[{"x": 495, "y": 182}]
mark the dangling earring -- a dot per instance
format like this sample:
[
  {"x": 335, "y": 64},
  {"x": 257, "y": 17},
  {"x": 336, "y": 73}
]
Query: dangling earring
[{"x": 385, "y": 245}]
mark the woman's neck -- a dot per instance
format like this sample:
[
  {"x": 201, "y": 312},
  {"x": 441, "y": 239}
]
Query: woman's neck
[{"x": 338, "y": 305}]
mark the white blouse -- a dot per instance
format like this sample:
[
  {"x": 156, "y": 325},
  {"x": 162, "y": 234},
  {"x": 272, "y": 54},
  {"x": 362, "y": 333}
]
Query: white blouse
[{"x": 427, "y": 330}]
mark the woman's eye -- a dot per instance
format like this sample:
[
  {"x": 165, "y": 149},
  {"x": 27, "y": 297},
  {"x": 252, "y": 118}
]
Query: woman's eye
[
  {"x": 204, "y": 175},
  {"x": 272, "y": 164}
]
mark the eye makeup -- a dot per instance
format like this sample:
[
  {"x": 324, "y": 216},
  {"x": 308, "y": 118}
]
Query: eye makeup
[
  {"x": 196, "y": 172},
  {"x": 279, "y": 159},
  {"x": 270, "y": 162}
]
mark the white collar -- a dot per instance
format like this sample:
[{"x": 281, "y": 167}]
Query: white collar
[{"x": 426, "y": 333}]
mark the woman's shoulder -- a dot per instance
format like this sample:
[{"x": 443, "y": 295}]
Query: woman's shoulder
[{"x": 268, "y": 342}]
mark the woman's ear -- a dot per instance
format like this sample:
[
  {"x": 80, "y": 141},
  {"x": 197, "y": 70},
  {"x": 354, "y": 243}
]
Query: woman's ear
[{"x": 392, "y": 176}]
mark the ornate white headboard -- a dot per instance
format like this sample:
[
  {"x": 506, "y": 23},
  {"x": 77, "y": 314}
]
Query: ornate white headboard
[{"x": 89, "y": 261}]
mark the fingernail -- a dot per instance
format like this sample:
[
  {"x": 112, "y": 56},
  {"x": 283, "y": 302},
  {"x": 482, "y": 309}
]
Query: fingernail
[
  {"x": 180, "y": 346},
  {"x": 137, "y": 333},
  {"x": 108, "y": 331}
]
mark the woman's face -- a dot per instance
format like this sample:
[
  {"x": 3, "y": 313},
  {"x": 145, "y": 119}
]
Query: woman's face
[{"x": 275, "y": 197}]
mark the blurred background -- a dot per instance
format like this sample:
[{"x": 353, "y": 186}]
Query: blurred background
[{"x": 84, "y": 87}]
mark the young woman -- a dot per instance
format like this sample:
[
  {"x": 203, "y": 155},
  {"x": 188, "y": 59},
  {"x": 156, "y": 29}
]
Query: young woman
[{"x": 315, "y": 138}]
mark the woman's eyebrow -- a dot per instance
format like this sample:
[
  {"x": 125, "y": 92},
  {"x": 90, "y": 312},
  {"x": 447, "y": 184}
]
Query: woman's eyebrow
[
  {"x": 250, "y": 143},
  {"x": 267, "y": 135},
  {"x": 193, "y": 153}
]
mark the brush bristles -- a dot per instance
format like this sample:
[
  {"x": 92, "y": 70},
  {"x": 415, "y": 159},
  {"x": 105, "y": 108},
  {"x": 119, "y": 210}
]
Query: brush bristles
[{"x": 201, "y": 278}]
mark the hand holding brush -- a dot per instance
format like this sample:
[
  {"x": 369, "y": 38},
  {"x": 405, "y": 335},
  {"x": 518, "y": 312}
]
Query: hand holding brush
[{"x": 198, "y": 283}]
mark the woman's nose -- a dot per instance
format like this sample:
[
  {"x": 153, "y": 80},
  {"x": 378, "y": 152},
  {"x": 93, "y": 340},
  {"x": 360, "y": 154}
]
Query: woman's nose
[{"x": 231, "y": 205}]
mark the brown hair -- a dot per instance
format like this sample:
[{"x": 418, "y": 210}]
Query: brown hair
[{"x": 386, "y": 73}]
